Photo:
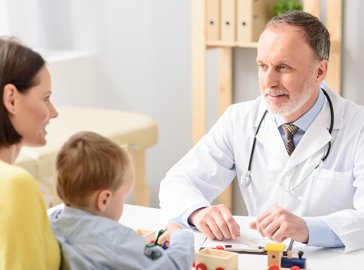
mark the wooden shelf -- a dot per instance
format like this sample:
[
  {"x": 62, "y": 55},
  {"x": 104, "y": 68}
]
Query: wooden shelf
[{"x": 214, "y": 44}]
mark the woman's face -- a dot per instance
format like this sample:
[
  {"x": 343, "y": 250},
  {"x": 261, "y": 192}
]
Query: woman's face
[{"x": 33, "y": 110}]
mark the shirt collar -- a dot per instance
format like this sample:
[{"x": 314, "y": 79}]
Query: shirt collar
[{"x": 305, "y": 120}]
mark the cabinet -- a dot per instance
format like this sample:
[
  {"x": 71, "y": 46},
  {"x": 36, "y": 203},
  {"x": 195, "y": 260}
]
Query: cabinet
[{"x": 206, "y": 25}]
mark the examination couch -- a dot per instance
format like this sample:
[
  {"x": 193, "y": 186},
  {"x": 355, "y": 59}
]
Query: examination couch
[{"x": 133, "y": 131}]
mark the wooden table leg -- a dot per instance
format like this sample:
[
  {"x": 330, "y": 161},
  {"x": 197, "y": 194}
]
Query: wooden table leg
[{"x": 141, "y": 190}]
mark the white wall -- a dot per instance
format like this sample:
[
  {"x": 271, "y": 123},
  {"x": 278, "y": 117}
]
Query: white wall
[
  {"x": 353, "y": 53},
  {"x": 73, "y": 77},
  {"x": 23, "y": 20},
  {"x": 4, "y": 21},
  {"x": 142, "y": 61}
]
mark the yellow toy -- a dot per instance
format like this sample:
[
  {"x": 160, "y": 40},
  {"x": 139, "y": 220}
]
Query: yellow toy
[
  {"x": 214, "y": 259},
  {"x": 276, "y": 260}
]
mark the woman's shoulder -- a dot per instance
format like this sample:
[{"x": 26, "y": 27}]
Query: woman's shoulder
[
  {"x": 15, "y": 178},
  {"x": 20, "y": 196}
]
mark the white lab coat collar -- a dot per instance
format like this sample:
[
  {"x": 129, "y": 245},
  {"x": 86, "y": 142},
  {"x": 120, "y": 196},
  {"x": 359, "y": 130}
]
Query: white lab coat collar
[
  {"x": 316, "y": 137},
  {"x": 338, "y": 109},
  {"x": 269, "y": 135}
]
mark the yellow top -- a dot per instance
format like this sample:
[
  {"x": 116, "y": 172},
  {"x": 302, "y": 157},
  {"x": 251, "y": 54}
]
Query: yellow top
[
  {"x": 274, "y": 247},
  {"x": 26, "y": 238}
]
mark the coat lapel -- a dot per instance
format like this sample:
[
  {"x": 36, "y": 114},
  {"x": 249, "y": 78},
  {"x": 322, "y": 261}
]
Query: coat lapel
[
  {"x": 270, "y": 138},
  {"x": 316, "y": 138}
]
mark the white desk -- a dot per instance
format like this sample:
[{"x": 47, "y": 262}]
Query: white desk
[{"x": 138, "y": 217}]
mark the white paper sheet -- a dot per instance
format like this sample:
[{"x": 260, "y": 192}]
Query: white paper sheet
[{"x": 250, "y": 241}]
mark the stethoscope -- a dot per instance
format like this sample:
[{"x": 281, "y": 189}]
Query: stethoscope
[{"x": 246, "y": 178}]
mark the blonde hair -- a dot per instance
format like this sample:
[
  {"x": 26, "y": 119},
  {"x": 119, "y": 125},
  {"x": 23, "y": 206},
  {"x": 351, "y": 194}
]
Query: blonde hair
[{"x": 88, "y": 162}]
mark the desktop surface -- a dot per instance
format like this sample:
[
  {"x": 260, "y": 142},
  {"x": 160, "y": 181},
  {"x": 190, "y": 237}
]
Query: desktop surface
[{"x": 147, "y": 218}]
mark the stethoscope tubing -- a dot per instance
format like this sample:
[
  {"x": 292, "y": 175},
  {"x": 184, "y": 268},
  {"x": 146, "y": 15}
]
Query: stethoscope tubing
[{"x": 246, "y": 182}]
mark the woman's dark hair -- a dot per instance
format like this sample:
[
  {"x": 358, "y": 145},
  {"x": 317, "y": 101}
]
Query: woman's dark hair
[{"x": 19, "y": 66}]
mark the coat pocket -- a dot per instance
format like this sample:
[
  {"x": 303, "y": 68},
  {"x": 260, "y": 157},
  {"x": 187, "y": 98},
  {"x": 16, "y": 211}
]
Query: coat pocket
[{"x": 331, "y": 191}]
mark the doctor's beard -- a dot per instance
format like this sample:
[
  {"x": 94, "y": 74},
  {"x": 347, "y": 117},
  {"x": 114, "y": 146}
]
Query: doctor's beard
[{"x": 292, "y": 103}]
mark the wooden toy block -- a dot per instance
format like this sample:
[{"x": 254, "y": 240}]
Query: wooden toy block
[
  {"x": 214, "y": 259},
  {"x": 276, "y": 260},
  {"x": 274, "y": 253}
]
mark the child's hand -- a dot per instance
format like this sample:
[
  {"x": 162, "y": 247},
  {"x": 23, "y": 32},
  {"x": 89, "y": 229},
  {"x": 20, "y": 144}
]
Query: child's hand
[{"x": 164, "y": 238}]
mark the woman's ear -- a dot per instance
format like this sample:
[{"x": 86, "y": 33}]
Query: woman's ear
[
  {"x": 103, "y": 199},
  {"x": 9, "y": 96}
]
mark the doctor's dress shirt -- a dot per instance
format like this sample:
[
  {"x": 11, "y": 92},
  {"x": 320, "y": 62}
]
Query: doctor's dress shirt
[{"x": 320, "y": 234}]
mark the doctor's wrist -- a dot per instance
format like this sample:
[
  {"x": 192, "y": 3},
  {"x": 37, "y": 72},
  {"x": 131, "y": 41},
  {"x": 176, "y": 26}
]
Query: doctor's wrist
[{"x": 192, "y": 216}]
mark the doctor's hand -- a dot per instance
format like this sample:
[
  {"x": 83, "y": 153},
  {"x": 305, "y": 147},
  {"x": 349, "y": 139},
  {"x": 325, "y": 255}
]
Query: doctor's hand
[
  {"x": 216, "y": 222},
  {"x": 278, "y": 224}
]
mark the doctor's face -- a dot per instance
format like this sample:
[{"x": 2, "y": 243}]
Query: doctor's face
[{"x": 289, "y": 73}]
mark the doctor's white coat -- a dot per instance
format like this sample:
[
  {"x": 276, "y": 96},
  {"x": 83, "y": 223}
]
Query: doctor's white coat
[{"x": 334, "y": 192}]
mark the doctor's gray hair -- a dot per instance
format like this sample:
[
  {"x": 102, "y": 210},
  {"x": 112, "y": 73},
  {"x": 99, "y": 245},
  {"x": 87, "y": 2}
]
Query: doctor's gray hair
[{"x": 314, "y": 31}]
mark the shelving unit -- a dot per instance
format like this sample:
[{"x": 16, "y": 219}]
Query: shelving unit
[{"x": 200, "y": 45}]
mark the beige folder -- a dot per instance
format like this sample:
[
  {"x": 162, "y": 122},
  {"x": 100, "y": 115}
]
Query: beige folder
[
  {"x": 213, "y": 20},
  {"x": 228, "y": 20},
  {"x": 252, "y": 15}
]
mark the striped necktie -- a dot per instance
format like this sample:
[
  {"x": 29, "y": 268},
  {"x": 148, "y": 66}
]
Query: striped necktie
[{"x": 289, "y": 130}]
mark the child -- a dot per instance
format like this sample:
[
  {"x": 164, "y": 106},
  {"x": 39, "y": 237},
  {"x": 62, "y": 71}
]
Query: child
[{"x": 94, "y": 175}]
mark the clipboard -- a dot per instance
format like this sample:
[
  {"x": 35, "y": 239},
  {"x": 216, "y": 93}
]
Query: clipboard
[{"x": 249, "y": 242}]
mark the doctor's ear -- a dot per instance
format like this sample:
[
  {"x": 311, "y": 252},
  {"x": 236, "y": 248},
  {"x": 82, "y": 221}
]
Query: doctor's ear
[
  {"x": 103, "y": 199},
  {"x": 321, "y": 70},
  {"x": 9, "y": 96}
]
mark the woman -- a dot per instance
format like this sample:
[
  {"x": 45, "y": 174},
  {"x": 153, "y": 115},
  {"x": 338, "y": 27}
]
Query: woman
[{"x": 26, "y": 239}]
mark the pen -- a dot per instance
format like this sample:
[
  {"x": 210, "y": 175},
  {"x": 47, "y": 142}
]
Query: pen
[
  {"x": 290, "y": 245},
  {"x": 289, "y": 249},
  {"x": 241, "y": 249}
]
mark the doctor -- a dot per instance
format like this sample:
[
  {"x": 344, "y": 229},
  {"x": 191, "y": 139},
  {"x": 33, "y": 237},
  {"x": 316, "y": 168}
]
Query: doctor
[{"x": 310, "y": 187}]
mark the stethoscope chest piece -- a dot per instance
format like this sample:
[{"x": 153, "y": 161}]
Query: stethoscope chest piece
[{"x": 245, "y": 179}]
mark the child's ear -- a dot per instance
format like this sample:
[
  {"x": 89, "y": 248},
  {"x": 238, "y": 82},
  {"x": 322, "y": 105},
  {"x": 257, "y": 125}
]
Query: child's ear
[
  {"x": 103, "y": 199},
  {"x": 9, "y": 95}
]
